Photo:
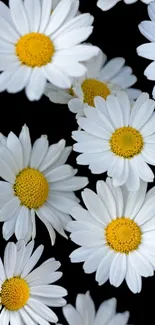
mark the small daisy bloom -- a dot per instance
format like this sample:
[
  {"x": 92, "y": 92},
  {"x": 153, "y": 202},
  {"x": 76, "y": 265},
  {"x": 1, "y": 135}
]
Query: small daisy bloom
[
  {"x": 116, "y": 234},
  {"x": 108, "y": 4},
  {"x": 102, "y": 78},
  {"x": 25, "y": 293},
  {"x": 37, "y": 181},
  {"x": 85, "y": 314},
  {"x": 45, "y": 48},
  {"x": 118, "y": 138},
  {"x": 147, "y": 50}
]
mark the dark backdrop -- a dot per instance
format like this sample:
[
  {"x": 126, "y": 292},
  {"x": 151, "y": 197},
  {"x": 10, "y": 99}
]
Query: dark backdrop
[{"x": 116, "y": 33}]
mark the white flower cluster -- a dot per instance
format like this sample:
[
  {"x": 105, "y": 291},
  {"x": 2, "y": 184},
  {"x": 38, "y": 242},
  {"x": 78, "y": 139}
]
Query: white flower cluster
[{"x": 43, "y": 50}]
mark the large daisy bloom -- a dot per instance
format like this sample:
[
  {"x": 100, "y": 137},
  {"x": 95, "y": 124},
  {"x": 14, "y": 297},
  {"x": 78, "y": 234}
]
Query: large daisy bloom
[
  {"x": 37, "y": 182},
  {"x": 84, "y": 312},
  {"x": 25, "y": 294},
  {"x": 38, "y": 43},
  {"x": 116, "y": 234},
  {"x": 102, "y": 78},
  {"x": 147, "y": 50},
  {"x": 118, "y": 138},
  {"x": 108, "y": 4}
]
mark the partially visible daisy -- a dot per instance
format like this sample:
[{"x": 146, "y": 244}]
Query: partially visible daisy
[
  {"x": 25, "y": 294},
  {"x": 47, "y": 47},
  {"x": 108, "y": 4},
  {"x": 147, "y": 50},
  {"x": 118, "y": 138},
  {"x": 37, "y": 182},
  {"x": 84, "y": 312},
  {"x": 102, "y": 78},
  {"x": 116, "y": 234}
]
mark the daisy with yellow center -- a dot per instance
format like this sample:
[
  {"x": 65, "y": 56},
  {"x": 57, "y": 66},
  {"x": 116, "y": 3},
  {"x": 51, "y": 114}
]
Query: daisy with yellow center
[
  {"x": 26, "y": 292},
  {"x": 116, "y": 234},
  {"x": 102, "y": 79},
  {"x": 34, "y": 51},
  {"x": 119, "y": 138},
  {"x": 37, "y": 182}
]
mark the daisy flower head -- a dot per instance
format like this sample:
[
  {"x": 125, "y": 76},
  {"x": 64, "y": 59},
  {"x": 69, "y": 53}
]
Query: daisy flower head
[
  {"x": 116, "y": 234},
  {"x": 45, "y": 48},
  {"x": 105, "y": 315},
  {"x": 147, "y": 50},
  {"x": 108, "y": 4},
  {"x": 25, "y": 292},
  {"x": 37, "y": 182},
  {"x": 118, "y": 138},
  {"x": 102, "y": 78}
]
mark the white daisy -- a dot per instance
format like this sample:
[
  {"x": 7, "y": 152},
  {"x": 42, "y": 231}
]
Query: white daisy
[
  {"x": 37, "y": 181},
  {"x": 102, "y": 78},
  {"x": 85, "y": 314},
  {"x": 108, "y": 4},
  {"x": 119, "y": 139},
  {"x": 47, "y": 47},
  {"x": 116, "y": 234},
  {"x": 147, "y": 50},
  {"x": 25, "y": 293}
]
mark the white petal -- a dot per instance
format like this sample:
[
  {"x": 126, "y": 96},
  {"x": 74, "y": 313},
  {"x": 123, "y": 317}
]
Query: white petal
[
  {"x": 45, "y": 14},
  {"x": 88, "y": 238},
  {"x": 36, "y": 85},
  {"x": 25, "y": 141},
  {"x": 118, "y": 269},
  {"x": 147, "y": 50},
  {"x": 148, "y": 128},
  {"x": 33, "y": 10},
  {"x": 52, "y": 291},
  {"x": 10, "y": 255},
  {"x": 141, "y": 264},
  {"x": 8, "y": 33},
  {"x": 9, "y": 228},
  {"x": 96, "y": 207},
  {"x": 19, "y": 79},
  {"x": 120, "y": 319},
  {"x": 72, "y": 38},
  {"x": 111, "y": 68},
  {"x": 41, "y": 310},
  {"x": 60, "y": 173},
  {"x": 105, "y": 312},
  {"x": 58, "y": 16},
  {"x": 42, "y": 271},
  {"x": 5, "y": 12},
  {"x": 19, "y": 16},
  {"x": 72, "y": 184},
  {"x": 94, "y": 259},
  {"x": 81, "y": 254},
  {"x": 9, "y": 209},
  {"x": 137, "y": 105},
  {"x": 56, "y": 76},
  {"x": 5, "y": 317},
  {"x": 14, "y": 146},
  {"x": 117, "y": 193},
  {"x": 2, "y": 271},
  {"x": 32, "y": 261},
  {"x": 144, "y": 171},
  {"x": 53, "y": 154},
  {"x": 102, "y": 273},
  {"x": 135, "y": 201},
  {"x": 151, "y": 11},
  {"x": 71, "y": 314},
  {"x": 39, "y": 151},
  {"x": 6, "y": 155},
  {"x": 49, "y": 227},
  {"x": 115, "y": 111},
  {"x": 146, "y": 212},
  {"x": 133, "y": 278},
  {"x": 143, "y": 115},
  {"x": 133, "y": 180},
  {"x": 26, "y": 319},
  {"x": 125, "y": 106},
  {"x": 22, "y": 223}
]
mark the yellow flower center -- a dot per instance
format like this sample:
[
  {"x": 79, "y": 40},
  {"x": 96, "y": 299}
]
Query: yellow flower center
[
  {"x": 92, "y": 88},
  {"x": 31, "y": 187},
  {"x": 15, "y": 293},
  {"x": 123, "y": 235},
  {"x": 35, "y": 49},
  {"x": 126, "y": 142}
]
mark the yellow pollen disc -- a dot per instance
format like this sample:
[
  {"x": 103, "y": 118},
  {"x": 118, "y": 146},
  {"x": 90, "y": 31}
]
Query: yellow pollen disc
[
  {"x": 14, "y": 293},
  {"x": 126, "y": 142},
  {"x": 35, "y": 49},
  {"x": 123, "y": 235},
  {"x": 92, "y": 88},
  {"x": 31, "y": 187}
]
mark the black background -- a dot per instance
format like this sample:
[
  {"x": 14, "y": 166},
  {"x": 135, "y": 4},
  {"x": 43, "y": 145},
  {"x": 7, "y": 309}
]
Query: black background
[{"x": 116, "y": 33}]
